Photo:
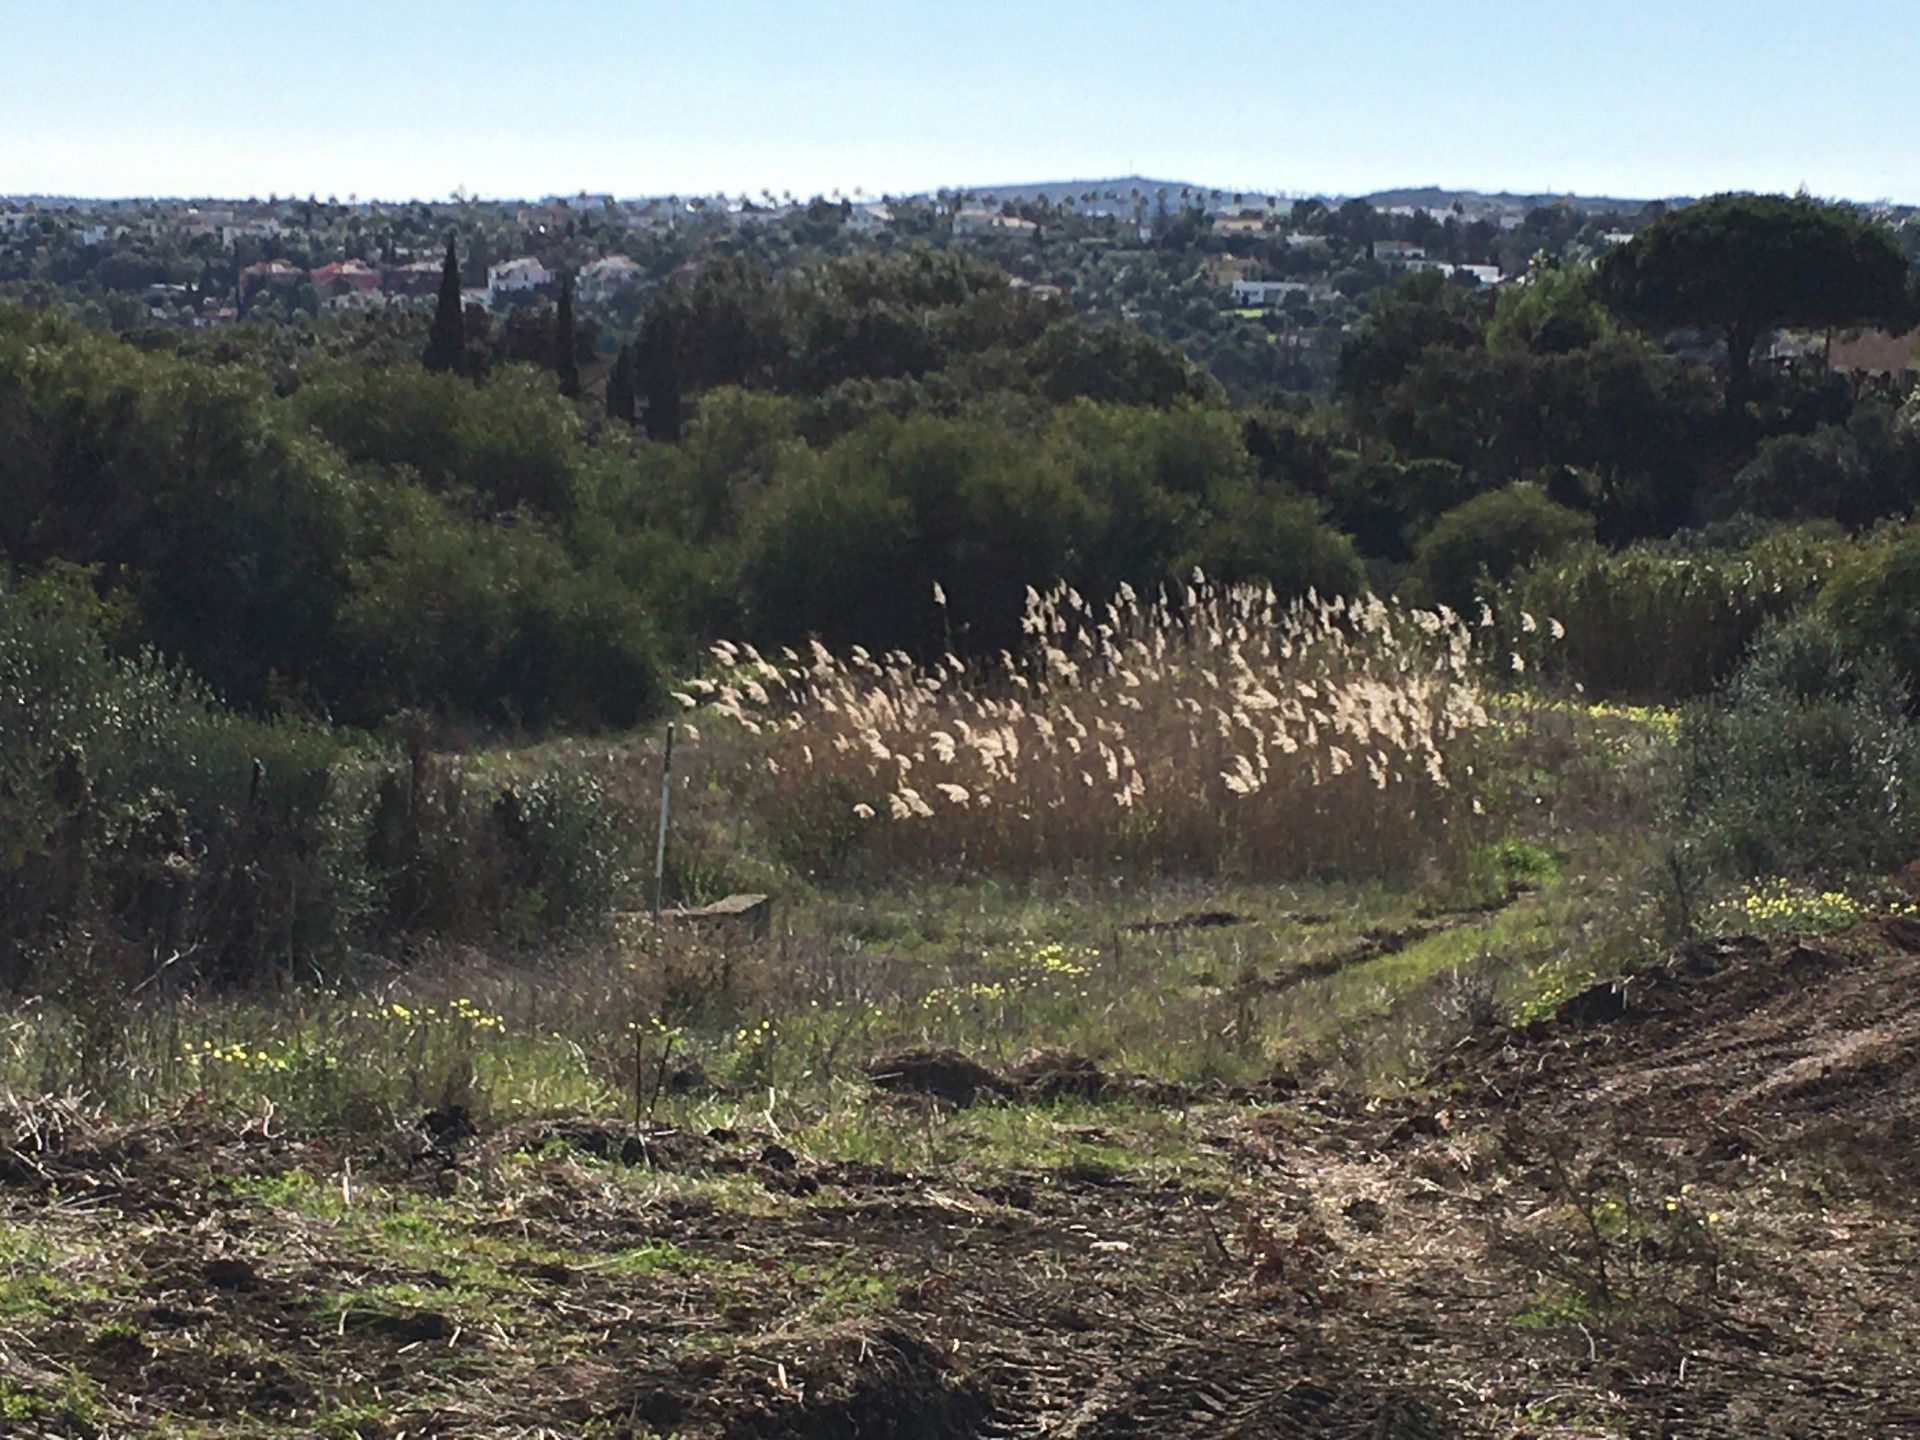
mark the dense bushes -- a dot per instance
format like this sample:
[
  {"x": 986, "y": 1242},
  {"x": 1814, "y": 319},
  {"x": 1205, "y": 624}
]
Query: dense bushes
[
  {"x": 866, "y": 336},
  {"x": 379, "y": 538},
  {"x": 1854, "y": 473},
  {"x": 849, "y": 542},
  {"x": 1874, "y": 601},
  {"x": 1477, "y": 546},
  {"x": 350, "y": 573},
  {"x": 186, "y": 487},
  {"x": 134, "y": 811},
  {"x": 1664, "y": 622},
  {"x": 1806, "y": 765},
  {"x": 144, "y": 827}
]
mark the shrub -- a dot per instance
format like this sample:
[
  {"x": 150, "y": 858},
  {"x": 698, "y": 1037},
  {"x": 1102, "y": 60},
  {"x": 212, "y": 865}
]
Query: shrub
[
  {"x": 473, "y": 854},
  {"x": 1806, "y": 659},
  {"x": 1658, "y": 623},
  {"x": 1478, "y": 545},
  {"x": 1276, "y": 539},
  {"x": 1873, "y": 601},
  {"x": 489, "y": 623},
  {"x": 129, "y": 800},
  {"x": 1854, "y": 473},
  {"x": 1804, "y": 766}
]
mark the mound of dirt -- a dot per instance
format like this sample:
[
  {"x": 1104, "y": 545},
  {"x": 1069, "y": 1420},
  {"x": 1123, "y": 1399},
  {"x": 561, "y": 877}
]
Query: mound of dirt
[
  {"x": 856, "y": 1381},
  {"x": 653, "y": 1145},
  {"x": 1744, "y": 1045},
  {"x": 1058, "y": 1075},
  {"x": 1247, "y": 1388},
  {"x": 942, "y": 1074}
]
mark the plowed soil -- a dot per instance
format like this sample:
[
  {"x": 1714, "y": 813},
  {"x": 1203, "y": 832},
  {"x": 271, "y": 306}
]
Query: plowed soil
[{"x": 1683, "y": 1207}]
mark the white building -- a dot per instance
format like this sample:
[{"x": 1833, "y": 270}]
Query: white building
[
  {"x": 1485, "y": 274},
  {"x": 746, "y": 213},
  {"x": 654, "y": 215},
  {"x": 261, "y": 229},
  {"x": 870, "y": 218},
  {"x": 1232, "y": 226},
  {"x": 609, "y": 276},
  {"x": 1268, "y": 294},
  {"x": 972, "y": 222},
  {"x": 355, "y": 300},
  {"x": 202, "y": 222},
  {"x": 517, "y": 276}
]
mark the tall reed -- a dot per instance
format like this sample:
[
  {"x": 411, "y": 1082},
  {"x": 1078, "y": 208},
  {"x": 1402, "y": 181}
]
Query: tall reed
[{"x": 1216, "y": 730}]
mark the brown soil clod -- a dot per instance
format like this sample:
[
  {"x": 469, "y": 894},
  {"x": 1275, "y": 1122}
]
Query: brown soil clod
[
  {"x": 1057, "y": 1075},
  {"x": 945, "y": 1075},
  {"x": 406, "y": 1326},
  {"x": 231, "y": 1273},
  {"x": 446, "y": 1126},
  {"x": 1598, "y": 1004},
  {"x": 856, "y": 1381}
]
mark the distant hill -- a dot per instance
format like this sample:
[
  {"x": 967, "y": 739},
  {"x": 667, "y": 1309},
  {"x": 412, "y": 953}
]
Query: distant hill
[
  {"x": 1123, "y": 195},
  {"x": 1436, "y": 197}
]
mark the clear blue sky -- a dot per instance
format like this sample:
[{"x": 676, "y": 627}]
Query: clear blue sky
[{"x": 406, "y": 98}]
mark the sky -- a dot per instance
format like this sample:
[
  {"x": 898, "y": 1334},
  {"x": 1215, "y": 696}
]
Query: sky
[{"x": 411, "y": 99}]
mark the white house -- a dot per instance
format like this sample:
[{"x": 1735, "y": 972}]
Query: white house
[
  {"x": 974, "y": 222},
  {"x": 355, "y": 300},
  {"x": 607, "y": 277},
  {"x": 1398, "y": 252},
  {"x": 1231, "y": 226},
  {"x": 1267, "y": 294},
  {"x": 194, "y": 221},
  {"x": 653, "y": 215},
  {"x": 265, "y": 228},
  {"x": 1485, "y": 274},
  {"x": 747, "y": 213},
  {"x": 870, "y": 218},
  {"x": 517, "y": 276}
]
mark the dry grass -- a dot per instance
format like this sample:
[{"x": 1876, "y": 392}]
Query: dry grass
[{"x": 1218, "y": 731}]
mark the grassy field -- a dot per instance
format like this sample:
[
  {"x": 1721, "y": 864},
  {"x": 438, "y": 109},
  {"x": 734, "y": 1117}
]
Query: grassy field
[{"x": 1001, "y": 1130}]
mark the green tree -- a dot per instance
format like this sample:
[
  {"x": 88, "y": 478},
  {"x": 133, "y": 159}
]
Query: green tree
[
  {"x": 658, "y": 369},
  {"x": 1402, "y": 324},
  {"x": 1490, "y": 537},
  {"x": 1552, "y": 313},
  {"x": 1745, "y": 264},
  {"x": 621, "y": 401},
  {"x": 447, "y": 341},
  {"x": 566, "y": 360}
]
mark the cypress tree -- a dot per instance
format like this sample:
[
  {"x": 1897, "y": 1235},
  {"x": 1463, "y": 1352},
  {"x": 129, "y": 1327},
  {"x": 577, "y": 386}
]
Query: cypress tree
[
  {"x": 447, "y": 343},
  {"x": 565, "y": 363},
  {"x": 656, "y": 369},
  {"x": 620, "y": 396}
]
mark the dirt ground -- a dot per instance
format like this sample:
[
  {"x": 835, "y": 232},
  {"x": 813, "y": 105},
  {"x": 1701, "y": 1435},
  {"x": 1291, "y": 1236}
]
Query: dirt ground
[{"x": 1681, "y": 1207}]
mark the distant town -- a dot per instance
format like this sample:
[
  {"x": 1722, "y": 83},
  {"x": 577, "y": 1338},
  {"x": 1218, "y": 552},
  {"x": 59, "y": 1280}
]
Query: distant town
[{"x": 1257, "y": 286}]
